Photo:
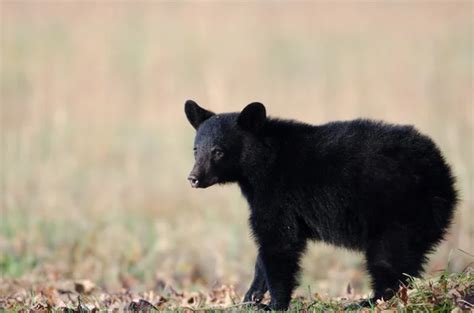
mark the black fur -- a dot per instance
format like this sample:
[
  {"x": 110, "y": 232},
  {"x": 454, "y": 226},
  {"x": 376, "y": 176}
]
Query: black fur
[{"x": 381, "y": 189}]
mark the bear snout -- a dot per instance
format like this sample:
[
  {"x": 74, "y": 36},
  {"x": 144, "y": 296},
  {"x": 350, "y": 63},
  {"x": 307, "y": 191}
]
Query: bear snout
[{"x": 194, "y": 181}]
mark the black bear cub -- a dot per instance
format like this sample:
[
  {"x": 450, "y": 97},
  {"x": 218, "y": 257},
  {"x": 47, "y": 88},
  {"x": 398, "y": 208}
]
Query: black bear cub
[{"x": 381, "y": 189}]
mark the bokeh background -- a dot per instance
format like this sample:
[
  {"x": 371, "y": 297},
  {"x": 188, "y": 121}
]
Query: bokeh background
[{"x": 95, "y": 147}]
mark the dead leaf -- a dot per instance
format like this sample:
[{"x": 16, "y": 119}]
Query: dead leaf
[
  {"x": 141, "y": 306},
  {"x": 161, "y": 300},
  {"x": 403, "y": 294},
  {"x": 193, "y": 299},
  {"x": 84, "y": 286},
  {"x": 349, "y": 288}
]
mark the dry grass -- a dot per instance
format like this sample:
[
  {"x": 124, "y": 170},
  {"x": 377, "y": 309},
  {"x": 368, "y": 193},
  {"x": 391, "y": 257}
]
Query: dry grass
[{"x": 95, "y": 148}]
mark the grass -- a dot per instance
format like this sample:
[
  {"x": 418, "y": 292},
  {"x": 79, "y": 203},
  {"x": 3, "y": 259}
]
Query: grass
[{"x": 95, "y": 148}]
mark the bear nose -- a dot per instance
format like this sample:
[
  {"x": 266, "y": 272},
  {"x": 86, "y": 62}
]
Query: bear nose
[{"x": 193, "y": 180}]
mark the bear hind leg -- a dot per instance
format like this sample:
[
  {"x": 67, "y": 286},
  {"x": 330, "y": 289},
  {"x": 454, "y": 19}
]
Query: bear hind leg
[{"x": 390, "y": 259}]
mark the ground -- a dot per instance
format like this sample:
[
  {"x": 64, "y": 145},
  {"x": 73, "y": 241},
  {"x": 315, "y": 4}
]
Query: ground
[{"x": 443, "y": 293}]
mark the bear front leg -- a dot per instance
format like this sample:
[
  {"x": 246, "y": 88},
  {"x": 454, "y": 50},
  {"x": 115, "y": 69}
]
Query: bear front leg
[
  {"x": 281, "y": 265},
  {"x": 259, "y": 285}
]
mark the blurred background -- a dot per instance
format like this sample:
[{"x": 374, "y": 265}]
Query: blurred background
[{"x": 95, "y": 147}]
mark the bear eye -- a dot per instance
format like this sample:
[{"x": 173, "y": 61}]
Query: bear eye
[
  {"x": 195, "y": 151},
  {"x": 218, "y": 153}
]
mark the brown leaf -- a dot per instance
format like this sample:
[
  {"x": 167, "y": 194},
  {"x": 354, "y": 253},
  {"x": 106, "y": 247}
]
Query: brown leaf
[
  {"x": 39, "y": 306},
  {"x": 222, "y": 296},
  {"x": 192, "y": 299},
  {"x": 84, "y": 286},
  {"x": 403, "y": 294},
  {"x": 160, "y": 301},
  {"x": 349, "y": 288},
  {"x": 141, "y": 306}
]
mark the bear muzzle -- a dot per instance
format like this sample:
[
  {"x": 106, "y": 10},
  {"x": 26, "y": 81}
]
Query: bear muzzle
[{"x": 194, "y": 181}]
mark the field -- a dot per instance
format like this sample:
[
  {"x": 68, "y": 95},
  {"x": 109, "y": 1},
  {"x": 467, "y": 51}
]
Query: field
[{"x": 95, "y": 147}]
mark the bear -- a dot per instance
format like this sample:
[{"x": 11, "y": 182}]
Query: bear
[{"x": 380, "y": 189}]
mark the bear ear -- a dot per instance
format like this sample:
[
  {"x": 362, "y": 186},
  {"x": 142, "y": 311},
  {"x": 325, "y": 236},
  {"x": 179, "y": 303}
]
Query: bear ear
[
  {"x": 195, "y": 114},
  {"x": 252, "y": 117}
]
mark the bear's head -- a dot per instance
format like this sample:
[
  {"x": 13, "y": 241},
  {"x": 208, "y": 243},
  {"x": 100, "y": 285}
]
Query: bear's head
[{"x": 222, "y": 142}]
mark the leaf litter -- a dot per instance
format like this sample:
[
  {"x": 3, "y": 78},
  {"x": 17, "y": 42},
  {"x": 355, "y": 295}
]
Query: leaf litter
[{"x": 445, "y": 293}]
